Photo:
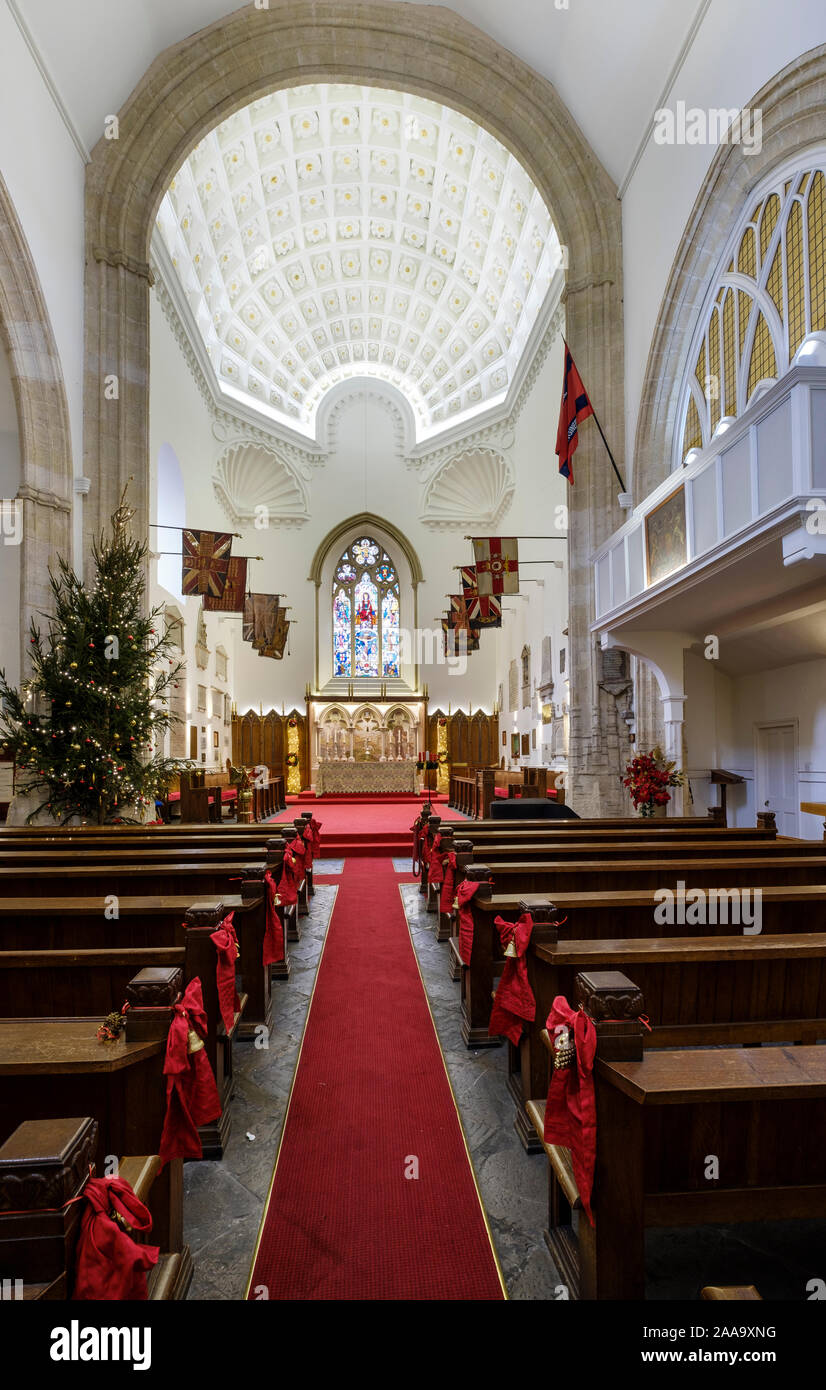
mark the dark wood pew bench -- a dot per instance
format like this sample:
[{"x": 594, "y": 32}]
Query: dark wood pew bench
[
  {"x": 699, "y": 992},
  {"x": 761, "y": 1111},
  {"x": 40, "y": 1220},
  {"x": 591, "y": 916},
  {"x": 51, "y": 1067},
  {"x": 143, "y": 923}
]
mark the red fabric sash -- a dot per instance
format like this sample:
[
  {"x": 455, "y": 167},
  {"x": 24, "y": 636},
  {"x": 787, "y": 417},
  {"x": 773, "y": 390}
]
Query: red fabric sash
[
  {"x": 274, "y": 931},
  {"x": 436, "y": 871},
  {"x": 315, "y": 826},
  {"x": 514, "y": 1002},
  {"x": 570, "y": 1110},
  {"x": 191, "y": 1094},
  {"x": 309, "y": 845},
  {"x": 290, "y": 878},
  {"x": 110, "y": 1264},
  {"x": 299, "y": 849},
  {"x": 449, "y": 872},
  {"x": 464, "y": 893},
  {"x": 226, "y": 945},
  {"x": 418, "y": 831}
]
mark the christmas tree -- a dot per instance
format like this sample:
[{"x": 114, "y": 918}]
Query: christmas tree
[{"x": 86, "y": 728}]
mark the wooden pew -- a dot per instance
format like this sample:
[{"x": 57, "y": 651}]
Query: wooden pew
[
  {"x": 699, "y": 992},
  {"x": 43, "y": 1169},
  {"x": 49, "y": 983},
  {"x": 626, "y": 914},
  {"x": 51, "y": 1067},
  {"x": 761, "y": 1111},
  {"x": 516, "y": 850}
]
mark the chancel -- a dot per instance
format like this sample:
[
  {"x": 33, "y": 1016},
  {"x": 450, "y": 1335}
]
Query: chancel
[{"x": 412, "y": 668}]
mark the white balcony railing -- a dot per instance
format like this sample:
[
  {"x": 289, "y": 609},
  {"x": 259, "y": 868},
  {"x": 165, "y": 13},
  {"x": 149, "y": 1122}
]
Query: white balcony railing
[{"x": 758, "y": 469}]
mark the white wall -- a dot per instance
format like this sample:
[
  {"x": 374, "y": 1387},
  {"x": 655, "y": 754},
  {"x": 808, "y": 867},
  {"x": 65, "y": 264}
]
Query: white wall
[
  {"x": 364, "y": 472},
  {"x": 737, "y": 49},
  {"x": 542, "y": 612},
  {"x": 45, "y": 174},
  {"x": 787, "y": 693}
]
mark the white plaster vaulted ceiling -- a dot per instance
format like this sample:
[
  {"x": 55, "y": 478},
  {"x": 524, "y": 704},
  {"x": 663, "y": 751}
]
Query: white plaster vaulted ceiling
[{"x": 330, "y": 232}]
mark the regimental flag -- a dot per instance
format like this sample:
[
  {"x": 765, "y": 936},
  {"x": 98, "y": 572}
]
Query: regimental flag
[
  {"x": 233, "y": 598},
  {"x": 467, "y": 577},
  {"x": 275, "y": 645},
  {"x": 497, "y": 565},
  {"x": 260, "y": 619},
  {"x": 575, "y": 406},
  {"x": 485, "y": 612},
  {"x": 205, "y": 562},
  {"x": 466, "y": 636},
  {"x": 459, "y": 611},
  {"x": 248, "y": 623}
]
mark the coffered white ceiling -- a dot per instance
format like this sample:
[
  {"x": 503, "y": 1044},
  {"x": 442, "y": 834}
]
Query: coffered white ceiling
[{"x": 328, "y": 232}]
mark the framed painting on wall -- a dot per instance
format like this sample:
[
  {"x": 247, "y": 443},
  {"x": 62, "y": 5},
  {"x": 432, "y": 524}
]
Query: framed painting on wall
[
  {"x": 665, "y": 537},
  {"x": 526, "y": 745},
  {"x": 504, "y": 739},
  {"x": 514, "y": 745}
]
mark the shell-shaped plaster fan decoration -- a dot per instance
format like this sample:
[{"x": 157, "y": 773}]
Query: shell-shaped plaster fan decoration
[
  {"x": 249, "y": 478},
  {"x": 475, "y": 487}
]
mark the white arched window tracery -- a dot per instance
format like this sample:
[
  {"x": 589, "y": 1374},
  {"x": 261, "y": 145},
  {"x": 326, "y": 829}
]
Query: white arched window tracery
[{"x": 769, "y": 295}]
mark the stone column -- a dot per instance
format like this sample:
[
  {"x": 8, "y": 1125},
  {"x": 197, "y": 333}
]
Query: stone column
[{"x": 116, "y": 389}]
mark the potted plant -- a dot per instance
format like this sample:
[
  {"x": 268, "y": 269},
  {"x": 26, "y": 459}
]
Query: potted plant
[{"x": 648, "y": 777}]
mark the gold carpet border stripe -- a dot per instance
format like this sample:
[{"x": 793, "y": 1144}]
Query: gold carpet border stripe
[
  {"x": 268, "y": 1197},
  {"x": 453, "y": 1098}
]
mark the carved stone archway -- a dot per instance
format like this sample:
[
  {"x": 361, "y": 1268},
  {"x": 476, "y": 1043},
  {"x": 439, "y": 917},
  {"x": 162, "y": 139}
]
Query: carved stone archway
[
  {"x": 428, "y": 50},
  {"x": 45, "y": 490}
]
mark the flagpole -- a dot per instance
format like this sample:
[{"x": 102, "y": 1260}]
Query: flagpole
[
  {"x": 181, "y": 555},
  {"x": 602, "y": 435},
  {"x": 162, "y": 526},
  {"x": 511, "y": 538}
]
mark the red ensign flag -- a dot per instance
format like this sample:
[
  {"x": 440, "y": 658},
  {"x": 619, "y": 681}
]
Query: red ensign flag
[{"x": 575, "y": 407}]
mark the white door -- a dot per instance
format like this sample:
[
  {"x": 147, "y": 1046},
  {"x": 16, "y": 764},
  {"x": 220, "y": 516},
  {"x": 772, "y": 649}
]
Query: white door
[{"x": 777, "y": 788}]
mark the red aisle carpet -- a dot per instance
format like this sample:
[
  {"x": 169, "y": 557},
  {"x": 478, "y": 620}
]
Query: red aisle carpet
[
  {"x": 367, "y": 828},
  {"x": 342, "y": 1221}
]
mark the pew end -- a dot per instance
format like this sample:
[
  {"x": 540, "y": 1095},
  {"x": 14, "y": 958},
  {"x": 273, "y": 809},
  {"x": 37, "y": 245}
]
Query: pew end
[{"x": 44, "y": 1166}]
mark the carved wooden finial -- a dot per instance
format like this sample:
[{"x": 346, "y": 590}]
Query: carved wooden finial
[
  {"x": 209, "y": 913},
  {"x": 615, "y": 1004}
]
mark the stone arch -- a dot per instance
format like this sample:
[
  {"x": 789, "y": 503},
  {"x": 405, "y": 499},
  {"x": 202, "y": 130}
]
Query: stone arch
[
  {"x": 46, "y": 471},
  {"x": 793, "y": 107},
  {"x": 204, "y": 79}
]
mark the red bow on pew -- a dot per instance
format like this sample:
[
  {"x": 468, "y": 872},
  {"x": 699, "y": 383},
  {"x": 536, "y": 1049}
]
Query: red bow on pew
[
  {"x": 274, "y": 930},
  {"x": 191, "y": 1094},
  {"x": 109, "y": 1263},
  {"x": 315, "y": 826},
  {"x": 435, "y": 872},
  {"x": 309, "y": 845},
  {"x": 448, "y": 880},
  {"x": 514, "y": 1002},
  {"x": 290, "y": 878},
  {"x": 570, "y": 1110},
  {"x": 226, "y": 945},
  {"x": 464, "y": 893}
]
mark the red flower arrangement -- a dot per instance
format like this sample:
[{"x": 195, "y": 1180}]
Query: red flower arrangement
[{"x": 647, "y": 778}]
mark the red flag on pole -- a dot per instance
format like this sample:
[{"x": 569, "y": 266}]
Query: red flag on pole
[{"x": 575, "y": 406}]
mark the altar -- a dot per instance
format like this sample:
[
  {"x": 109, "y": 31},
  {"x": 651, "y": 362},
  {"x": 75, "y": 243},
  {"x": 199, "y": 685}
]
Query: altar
[{"x": 341, "y": 777}]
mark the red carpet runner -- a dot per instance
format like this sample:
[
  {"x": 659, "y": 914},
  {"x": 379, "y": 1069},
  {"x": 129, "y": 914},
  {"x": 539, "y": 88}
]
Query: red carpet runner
[{"x": 370, "y": 1095}]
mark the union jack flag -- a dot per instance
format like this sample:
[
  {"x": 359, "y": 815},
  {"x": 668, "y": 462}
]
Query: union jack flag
[
  {"x": 485, "y": 611},
  {"x": 205, "y": 562}
]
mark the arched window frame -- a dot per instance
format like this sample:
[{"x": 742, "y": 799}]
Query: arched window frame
[
  {"x": 785, "y": 182},
  {"x": 382, "y": 572}
]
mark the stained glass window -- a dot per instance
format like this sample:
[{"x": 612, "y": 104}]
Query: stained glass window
[{"x": 366, "y": 632}]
